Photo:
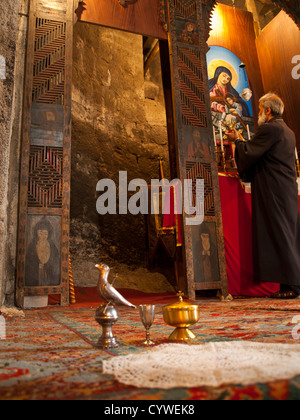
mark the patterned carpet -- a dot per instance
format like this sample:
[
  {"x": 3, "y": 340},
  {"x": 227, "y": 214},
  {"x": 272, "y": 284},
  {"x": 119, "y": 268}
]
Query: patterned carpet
[{"x": 50, "y": 353}]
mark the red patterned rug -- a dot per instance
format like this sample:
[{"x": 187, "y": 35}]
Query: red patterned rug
[
  {"x": 51, "y": 353},
  {"x": 276, "y": 305}
]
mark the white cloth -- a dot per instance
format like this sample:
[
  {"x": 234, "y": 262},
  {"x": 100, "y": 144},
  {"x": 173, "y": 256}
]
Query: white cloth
[{"x": 212, "y": 364}]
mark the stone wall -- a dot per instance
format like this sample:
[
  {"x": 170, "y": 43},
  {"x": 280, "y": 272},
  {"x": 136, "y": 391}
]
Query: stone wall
[
  {"x": 118, "y": 124},
  {"x": 12, "y": 46}
]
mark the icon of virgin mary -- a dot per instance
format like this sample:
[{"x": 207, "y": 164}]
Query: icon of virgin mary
[
  {"x": 42, "y": 259},
  {"x": 219, "y": 87}
]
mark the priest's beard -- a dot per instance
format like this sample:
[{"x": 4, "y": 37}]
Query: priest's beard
[{"x": 262, "y": 119}]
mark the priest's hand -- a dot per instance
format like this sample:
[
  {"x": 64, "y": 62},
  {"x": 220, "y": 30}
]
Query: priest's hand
[{"x": 233, "y": 134}]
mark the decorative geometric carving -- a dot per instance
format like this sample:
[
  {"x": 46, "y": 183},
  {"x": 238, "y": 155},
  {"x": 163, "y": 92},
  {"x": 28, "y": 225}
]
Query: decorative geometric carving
[
  {"x": 186, "y": 9},
  {"x": 45, "y": 177},
  {"x": 202, "y": 170},
  {"x": 192, "y": 87},
  {"x": 49, "y": 62}
]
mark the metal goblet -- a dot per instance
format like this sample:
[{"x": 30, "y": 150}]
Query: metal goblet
[{"x": 147, "y": 314}]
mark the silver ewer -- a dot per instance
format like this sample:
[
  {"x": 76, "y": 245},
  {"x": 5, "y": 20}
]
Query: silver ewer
[{"x": 107, "y": 316}]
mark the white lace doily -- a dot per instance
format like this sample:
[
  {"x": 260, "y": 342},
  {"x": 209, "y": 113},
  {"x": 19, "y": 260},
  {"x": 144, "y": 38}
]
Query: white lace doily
[{"x": 212, "y": 364}]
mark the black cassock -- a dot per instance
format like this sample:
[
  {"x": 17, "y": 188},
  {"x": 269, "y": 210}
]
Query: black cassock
[{"x": 268, "y": 162}]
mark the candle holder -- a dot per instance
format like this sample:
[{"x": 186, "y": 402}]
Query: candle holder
[
  {"x": 232, "y": 157},
  {"x": 223, "y": 161},
  {"x": 217, "y": 154}
]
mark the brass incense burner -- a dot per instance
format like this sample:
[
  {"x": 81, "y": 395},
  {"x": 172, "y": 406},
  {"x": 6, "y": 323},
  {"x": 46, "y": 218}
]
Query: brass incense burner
[{"x": 181, "y": 315}]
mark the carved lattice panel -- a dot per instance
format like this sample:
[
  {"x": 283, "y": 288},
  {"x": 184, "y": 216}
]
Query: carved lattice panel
[
  {"x": 202, "y": 170},
  {"x": 186, "y": 9},
  {"x": 192, "y": 88},
  {"x": 45, "y": 177},
  {"x": 49, "y": 62}
]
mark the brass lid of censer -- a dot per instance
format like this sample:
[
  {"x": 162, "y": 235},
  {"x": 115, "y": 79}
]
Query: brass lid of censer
[
  {"x": 180, "y": 304},
  {"x": 181, "y": 315}
]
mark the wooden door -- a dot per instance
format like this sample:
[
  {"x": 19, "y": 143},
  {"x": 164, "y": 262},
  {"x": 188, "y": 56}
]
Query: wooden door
[
  {"x": 44, "y": 213},
  {"x": 204, "y": 253}
]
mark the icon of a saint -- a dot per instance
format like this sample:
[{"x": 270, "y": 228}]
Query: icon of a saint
[
  {"x": 208, "y": 256},
  {"x": 43, "y": 259}
]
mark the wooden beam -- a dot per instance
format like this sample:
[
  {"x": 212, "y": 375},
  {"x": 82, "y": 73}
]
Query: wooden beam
[
  {"x": 141, "y": 17},
  {"x": 150, "y": 57}
]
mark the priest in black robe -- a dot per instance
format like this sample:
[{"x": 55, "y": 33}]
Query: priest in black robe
[{"x": 268, "y": 162}]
